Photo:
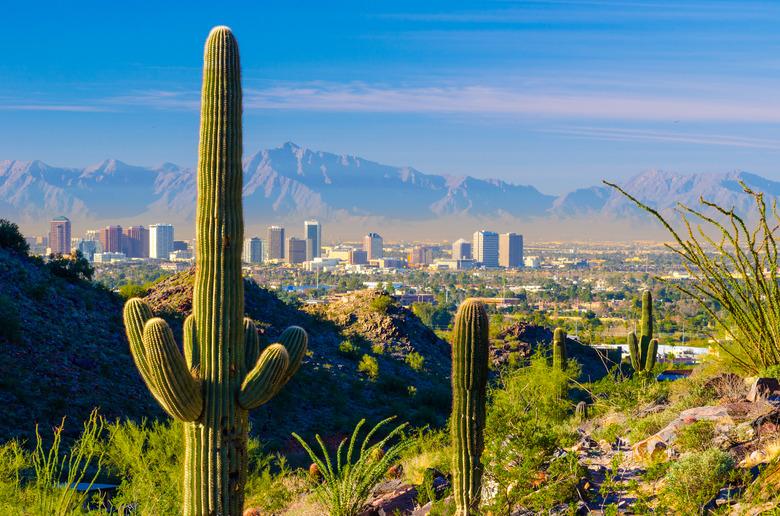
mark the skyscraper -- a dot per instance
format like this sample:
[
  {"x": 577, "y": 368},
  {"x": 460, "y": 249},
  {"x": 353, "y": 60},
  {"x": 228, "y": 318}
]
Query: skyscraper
[
  {"x": 160, "y": 241},
  {"x": 485, "y": 248},
  {"x": 296, "y": 250},
  {"x": 111, "y": 239},
  {"x": 510, "y": 250},
  {"x": 313, "y": 234},
  {"x": 372, "y": 245},
  {"x": 420, "y": 255},
  {"x": 461, "y": 249},
  {"x": 275, "y": 242},
  {"x": 59, "y": 235},
  {"x": 253, "y": 250},
  {"x": 135, "y": 243}
]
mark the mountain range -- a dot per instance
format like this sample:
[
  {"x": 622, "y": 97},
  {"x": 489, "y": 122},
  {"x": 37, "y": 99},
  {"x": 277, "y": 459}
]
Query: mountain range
[{"x": 290, "y": 183}]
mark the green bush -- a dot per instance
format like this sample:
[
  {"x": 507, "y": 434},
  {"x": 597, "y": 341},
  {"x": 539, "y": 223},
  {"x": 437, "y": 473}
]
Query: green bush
[
  {"x": 695, "y": 437},
  {"x": 415, "y": 360},
  {"x": 694, "y": 479},
  {"x": 380, "y": 304},
  {"x": 348, "y": 349},
  {"x": 132, "y": 290},
  {"x": 369, "y": 366},
  {"x": 10, "y": 322},
  {"x": 526, "y": 425}
]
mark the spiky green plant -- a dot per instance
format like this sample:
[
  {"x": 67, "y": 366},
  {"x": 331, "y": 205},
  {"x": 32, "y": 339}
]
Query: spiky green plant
[
  {"x": 222, "y": 374},
  {"x": 470, "y": 351},
  {"x": 732, "y": 262},
  {"x": 643, "y": 350},
  {"x": 559, "y": 349},
  {"x": 344, "y": 489}
]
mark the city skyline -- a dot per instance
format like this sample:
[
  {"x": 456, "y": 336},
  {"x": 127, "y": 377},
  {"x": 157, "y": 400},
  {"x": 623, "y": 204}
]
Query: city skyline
[{"x": 554, "y": 93}]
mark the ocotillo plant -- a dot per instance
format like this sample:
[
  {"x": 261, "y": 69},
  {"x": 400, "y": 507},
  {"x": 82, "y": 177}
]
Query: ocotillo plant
[
  {"x": 559, "y": 349},
  {"x": 470, "y": 351},
  {"x": 222, "y": 374},
  {"x": 643, "y": 350}
]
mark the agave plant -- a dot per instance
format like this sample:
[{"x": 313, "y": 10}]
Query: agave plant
[{"x": 346, "y": 483}]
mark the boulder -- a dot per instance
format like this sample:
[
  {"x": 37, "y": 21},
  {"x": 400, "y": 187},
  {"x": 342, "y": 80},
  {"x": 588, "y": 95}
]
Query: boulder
[
  {"x": 763, "y": 388},
  {"x": 650, "y": 450}
]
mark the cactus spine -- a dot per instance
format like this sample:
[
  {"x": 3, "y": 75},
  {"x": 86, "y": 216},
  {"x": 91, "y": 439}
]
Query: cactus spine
[
  {"x": 559, "y": 349},
  {"x": 222, "y": 373},
  {"x": 643, "y": 350},
  {"x": 470, "y": 350}
]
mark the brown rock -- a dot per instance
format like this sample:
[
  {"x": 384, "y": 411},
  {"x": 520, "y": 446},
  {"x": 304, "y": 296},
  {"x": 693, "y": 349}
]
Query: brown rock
[
  {"x": 762, "y": 388},
  {"x": 651, "y": 449}
]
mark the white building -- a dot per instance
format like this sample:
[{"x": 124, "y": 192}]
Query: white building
[
  {"x": 253, "y": 250},
  {"x": 109, "y": 257},
  {"x": 485, "y": 248},
  {"x": 160, "y": 241}
]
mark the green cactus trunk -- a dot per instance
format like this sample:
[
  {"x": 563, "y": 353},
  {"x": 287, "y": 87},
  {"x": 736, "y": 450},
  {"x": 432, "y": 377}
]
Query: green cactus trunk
[
  {"x": 222, "y": 374},
  {"x": 560, "y": 357},
  {"x": 644, "y": 349},
  {"x": 470, "y": 351}
]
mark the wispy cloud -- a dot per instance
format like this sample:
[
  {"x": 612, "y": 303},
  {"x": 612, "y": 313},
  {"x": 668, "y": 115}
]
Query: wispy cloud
[
  {"x": 622, "y": 134},
  {"x": 82, "y": 108},
  {"x": 534, "y": 101}
]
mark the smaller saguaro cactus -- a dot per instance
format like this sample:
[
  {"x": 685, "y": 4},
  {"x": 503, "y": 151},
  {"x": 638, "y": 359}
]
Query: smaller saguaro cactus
[
  {"x": 559, "y": 349},
  {"x": 470, "y": 351},
  {"x": 644, "y": 349}
]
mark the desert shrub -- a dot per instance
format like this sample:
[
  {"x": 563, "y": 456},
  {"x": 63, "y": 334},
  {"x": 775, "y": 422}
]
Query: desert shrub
[
  {"x": 369, "y": 366},
  {"x": 526, "y": 424},
  {"x": 10, "y": 322},
  {"x": 15, "y": 466},
  {"x": 271, "y": 486},
  {"x": 348, "y": 349},
  {"x": 348, "y": 480},
  {"x": 619, "y": 393},
  {"x": 378, "y": 349},
  {"x": 695, "y": 437},
  {"x": 11, "y": 238},
  {"x": 380, "y": 304},
  {"x": 132, "y": 290},
  {"x": 147, "y": 458},
  {"x": 694, "y": 479},
  {"x": 415, "y": 361}
]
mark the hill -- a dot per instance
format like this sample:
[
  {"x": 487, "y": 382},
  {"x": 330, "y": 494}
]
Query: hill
[
  {"x": 328, "y": 394},
  {"x": 62, "y": 351}
]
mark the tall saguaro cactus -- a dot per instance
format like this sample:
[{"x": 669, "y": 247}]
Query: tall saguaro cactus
[
  {"x": 643, "y": 350},
  {"x": 222, "y": 373},
  {"x": 559, "y": 349},
  {"x": 470, "y": 350}
]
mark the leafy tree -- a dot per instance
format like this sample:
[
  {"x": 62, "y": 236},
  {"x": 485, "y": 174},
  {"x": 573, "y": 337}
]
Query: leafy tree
[
  {"x": 424, "y": 311},
  {"x": 11, "y": 238},
  {"x": 72, "y": 267}
]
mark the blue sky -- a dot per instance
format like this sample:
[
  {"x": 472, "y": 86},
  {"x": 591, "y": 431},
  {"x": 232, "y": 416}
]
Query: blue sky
[{"x": 558, "y": 94}]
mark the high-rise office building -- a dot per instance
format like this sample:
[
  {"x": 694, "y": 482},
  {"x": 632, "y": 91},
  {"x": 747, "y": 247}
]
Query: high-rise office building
[
  {"x": 88, "y": 248},
  {"x": 296, "y": 250},
  {"x": 275, "y": 243},
  {"x": 461, "y": 249},
  {"x": 253, "y": 250},
  {"x": 421, "y": 255},
  {"x": 485, "y": 248},
  {"x": 111, "y": 239},
  {"x": 160, "y": 241},
  {"x": 372, "y": 245},
  {"x": 135, "y": 243},
  {"x": 510, "y": 250},
  {"x": 59, "y": 235},
  {"x": 358, "y": 257},
  {"x": 312, "y": 231}
]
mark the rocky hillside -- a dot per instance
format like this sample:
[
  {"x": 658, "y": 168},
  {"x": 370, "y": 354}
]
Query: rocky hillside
[
  {"x": 329, "y": 394},
  {"x": 62, "y": 351}
]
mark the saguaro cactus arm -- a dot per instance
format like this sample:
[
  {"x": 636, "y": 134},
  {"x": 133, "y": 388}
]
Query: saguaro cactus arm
[
  {"x": 295, "y": 341},
  {"x": 264, "y": 379},
  {"x": 190, "y": 347},
  {"x": 170, "y": 379},
  {"x": 559, "y": 349},
  {"x": 633, "y": 351},
  {"x": 251, "y": 343}
]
